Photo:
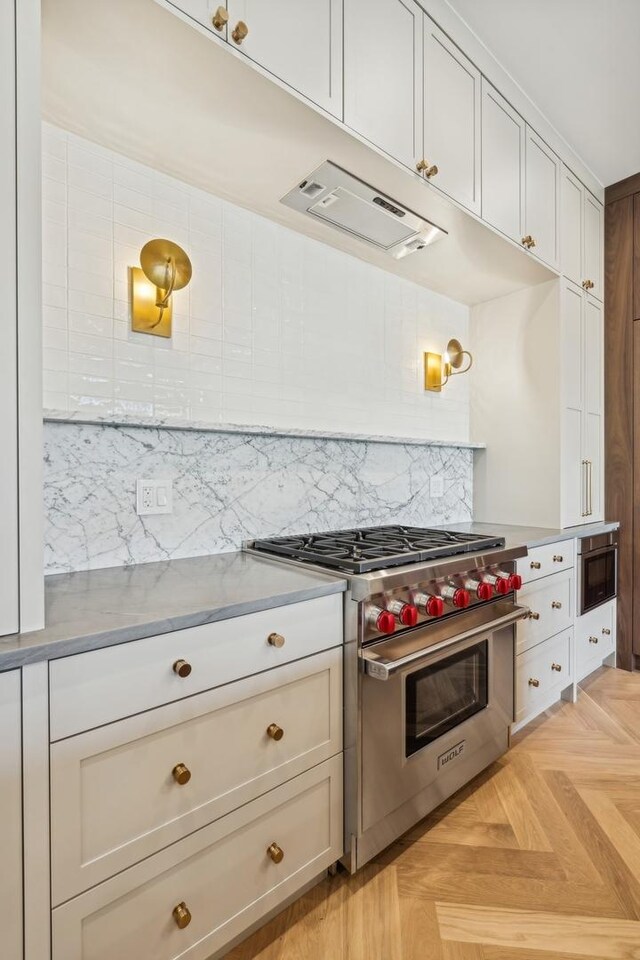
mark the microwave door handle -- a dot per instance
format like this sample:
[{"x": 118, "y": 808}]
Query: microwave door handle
[{"x": 384, "y": 669}]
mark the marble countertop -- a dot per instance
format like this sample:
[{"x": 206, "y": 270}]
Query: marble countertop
[
  {"x": 515, "y": 535},
  {"x": 99, "y": 608}
]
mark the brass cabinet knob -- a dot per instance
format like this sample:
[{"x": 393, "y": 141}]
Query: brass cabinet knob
[
  {"x": 588, "y": 284},
  {"x": 535, "y": 564},
  {"x": 275, "y": 640},
  {"x": 528, "y": 241},
  {"x": 533, "y": 616},
  {"x": 593, "y": 639},
  {"x": 182, "y": 668},
  {"x": 275, "y": 852},
  {"x": 533, "y": 683},
  {"x": 556, "y": 605},
  {"x": 181, "y": 774},
  {"x": 428, "y": 169},
  {"x": 556, "y": 666},
  {"x": 182, "y": 915},
  {"x": 606, "y": 631},
  {"x": 240, "y": 31},
  {"x": 275, "y": 732},
  {"x": 219, "y": 19},
  {"x": 558, "y": 558}
]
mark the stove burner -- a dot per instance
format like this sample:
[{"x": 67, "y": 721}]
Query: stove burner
[{"x": 375, "y": 548}]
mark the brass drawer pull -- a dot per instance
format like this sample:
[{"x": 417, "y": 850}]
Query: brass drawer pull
[
  {"x": 556, "y": 666},
  {"x": 182, "y": 915},
  {"x": 275, "y": 852},
  {"x": 606, "y": 631},
  {"x": 240, "y": 32},
  {"x": 593, "y": 639},
  {"x": 533, "y": 683},
  {"x": 182, "y": 668},
  {"x": 275, "y": 640},
  {"x": 535, "y": 564},
  {"x": 428, "y": 169},
  {"x": 558, "y": 558},
  {"x": 275, "y": 732},
  {"x": 219, "y": 19},
  {"x": 181, "y": 774},
  {"x": 556, "y": 605},
  {"x": 533, "y": 616}
]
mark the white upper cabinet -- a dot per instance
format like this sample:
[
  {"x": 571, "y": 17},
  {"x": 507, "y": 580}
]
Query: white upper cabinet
[
  {"x": 572, "y": 193},
  {"x": 300, "y": 43},
  {"x": 593, "y": 407},
  {"x": 383, "y": 75},
  {"x": 542, "y": 200},
  {"x": 503, "y": 140},
  {"x": 451, "y": 118},
  {"x": 593, "y": 246}
]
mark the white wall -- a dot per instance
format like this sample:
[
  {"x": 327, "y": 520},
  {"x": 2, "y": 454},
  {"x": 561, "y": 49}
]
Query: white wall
[{"x": 274, "y": 329}]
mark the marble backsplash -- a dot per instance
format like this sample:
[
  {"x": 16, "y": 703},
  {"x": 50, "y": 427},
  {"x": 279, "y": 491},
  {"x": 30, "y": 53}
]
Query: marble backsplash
[{"x": 230, "y": 487}]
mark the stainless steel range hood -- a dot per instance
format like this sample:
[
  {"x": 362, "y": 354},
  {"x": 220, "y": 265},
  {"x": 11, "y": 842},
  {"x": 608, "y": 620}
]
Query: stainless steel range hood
[{"x": 341, "y": 200}]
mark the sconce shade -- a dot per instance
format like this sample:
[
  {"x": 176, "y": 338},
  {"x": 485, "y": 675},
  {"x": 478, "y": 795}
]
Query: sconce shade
[{"x": 162, "y": 259}]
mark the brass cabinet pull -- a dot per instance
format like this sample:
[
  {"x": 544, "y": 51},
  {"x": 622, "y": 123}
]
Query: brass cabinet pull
[
  {"x": 533, "y": 683},
  {"x": 240, "y": 32},
  {"x": 275, "y": 852},
  {"x": 182, "y": 915},
  {"x": 535, "y": 564},
  {"x": 556, "y": 605},
  {"x": 182, "y": 668},
  {"x": 556, "y": 666},
  {"x": 606, "y": 631},
  {"x": 219, "y": 19},
  {"x": 181, "y": 774},
  {"x": 428, "y": 169},
  {"x": 528, "y": 241},
  {"x": 593, "y": 639},
  {"x": 590, "y": 480},
  {"x": 588, "y": 284},
  {"x": 533, "y": 616},
  {"x": 558, "y": 558},
  {"x": 275, "y": 732},
  {"x": 275, "y": 640}
]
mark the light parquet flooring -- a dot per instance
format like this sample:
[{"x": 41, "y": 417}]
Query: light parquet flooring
[{"x": 537, "y": 859}]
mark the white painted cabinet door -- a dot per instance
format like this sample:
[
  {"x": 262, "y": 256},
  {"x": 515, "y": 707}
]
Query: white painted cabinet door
[
  {"x": 572, "y": 366},
  {"x": 542, "y": 198},
  {"x": 593, "y": 406},
  {"x": 383, "y": 75},
  {"x": 451, "y": 118},
  {"x": 10, "y": 816},
  {"x": 593, "y": 245},
  {"x": 503, "y": 132},
  {"x": 572, "y": 196},
  {"x": 300, "y": 43}
]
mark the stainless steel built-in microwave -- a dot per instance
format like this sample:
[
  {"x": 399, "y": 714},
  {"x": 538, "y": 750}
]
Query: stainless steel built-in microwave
[{"x": 597, "y": 570}]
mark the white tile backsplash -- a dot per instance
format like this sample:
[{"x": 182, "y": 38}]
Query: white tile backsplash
[{"x": 275, "y": 328}]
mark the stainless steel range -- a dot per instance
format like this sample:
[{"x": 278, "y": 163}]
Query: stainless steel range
[{"x": 429, "y": 666}]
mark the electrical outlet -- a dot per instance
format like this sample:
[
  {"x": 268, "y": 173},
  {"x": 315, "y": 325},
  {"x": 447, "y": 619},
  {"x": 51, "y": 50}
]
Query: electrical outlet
[
  {"x": 436, "y": 487},
  {"x": 154, "y": 496}
]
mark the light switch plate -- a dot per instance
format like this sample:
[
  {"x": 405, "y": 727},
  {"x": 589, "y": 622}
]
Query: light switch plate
[
  {"x": 436, "y": 487},
  {"x": 154, "y": 496}
]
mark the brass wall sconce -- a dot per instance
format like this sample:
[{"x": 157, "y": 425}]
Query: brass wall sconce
[
  {"x": 438, "y": 369},
  {"x": 164, "y": 268}
]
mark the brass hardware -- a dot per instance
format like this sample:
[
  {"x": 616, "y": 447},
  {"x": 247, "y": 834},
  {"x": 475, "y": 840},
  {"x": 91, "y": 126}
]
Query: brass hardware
[
  {"x": 275, "y": 852},
  {"x": 533, "y": 683},
  {"x": 593, "y": 639},
  {"x": 219, "y": 19},
  {"x": 181, "y": 774},
  {"x": 165, "y": 267},
  {"x": 427, "y": 169},
  {"x": 535, "y": 564},
  {"x": 182, "y": 668},
  {"x": 588, "y": 284},
  {"x": 558, "y": 558},
  {"x": 606, "y": 631},
  {"x": 590, "y": 486},
  {"x": 240, "y": 32},
  {"x": 275, "y": 732},
  {"x": 275, "y": 640},
  {"x": 556, "y": 666},
  {"x": 182, "y": 915},
  {"x": 533, "y": 616},
  {"x": 556, "y": 605},
  {"x": 437, "y": 373},
  {"x": 528, "y": 241}
]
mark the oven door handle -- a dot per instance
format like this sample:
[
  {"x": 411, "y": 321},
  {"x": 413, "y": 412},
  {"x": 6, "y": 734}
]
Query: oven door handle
[{"x": 384, "y": 669}]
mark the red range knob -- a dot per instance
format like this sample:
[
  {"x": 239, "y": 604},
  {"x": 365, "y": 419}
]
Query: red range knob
[
  {"x": 502, "y": 585},
  {"x": 461, "y": 598},
  {"x": 515, "y": 581},
  {"x": 385, "y": 622},
  {"x": 408, "y": 615},
  {"x": 434, "y": 606},
  {"x": 484, "y": 591}
]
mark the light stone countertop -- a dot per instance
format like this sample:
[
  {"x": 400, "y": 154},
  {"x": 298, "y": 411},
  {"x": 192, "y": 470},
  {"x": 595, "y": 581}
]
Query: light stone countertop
[
  {"x": 99, "y": 608},
  {"x": 515, "y": 535}
]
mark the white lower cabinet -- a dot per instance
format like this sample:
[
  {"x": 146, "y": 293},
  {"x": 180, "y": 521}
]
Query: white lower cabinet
[
  {"x": 11, "y": 816},
  {"x": 595, "y": 638},
  {"x": 197, "y": 895},
  {"x": 542, "y": 673}
]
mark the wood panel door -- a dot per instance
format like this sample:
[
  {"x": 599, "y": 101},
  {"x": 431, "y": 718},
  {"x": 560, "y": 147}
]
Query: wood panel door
[
  {"x": 503, "y": 145},
  {"x": 542, "y": 198},
  {"x": 451, "y": 118},
  {"x": 300, "y": 43},
  {"x": 383, "y": 75},
  {"x": 10, "y": 816}
]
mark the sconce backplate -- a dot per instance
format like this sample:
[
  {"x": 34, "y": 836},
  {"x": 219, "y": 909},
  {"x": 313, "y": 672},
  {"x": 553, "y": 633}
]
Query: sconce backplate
[
  {"x": 144, "y": 311},
  {"x": 433, "y": 372}
]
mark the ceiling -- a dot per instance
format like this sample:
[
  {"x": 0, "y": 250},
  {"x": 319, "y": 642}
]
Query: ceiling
[{"x": 579, "y": 62}]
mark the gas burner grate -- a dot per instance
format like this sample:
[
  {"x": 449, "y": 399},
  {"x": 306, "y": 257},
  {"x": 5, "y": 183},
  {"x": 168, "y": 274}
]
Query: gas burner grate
[{"x": 375, "y": 548}]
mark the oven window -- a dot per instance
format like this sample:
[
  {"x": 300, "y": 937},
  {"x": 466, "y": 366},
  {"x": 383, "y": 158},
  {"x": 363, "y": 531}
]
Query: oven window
[
  {"x": 598, "y": 578},
  {"x": 440, "y": 697}
]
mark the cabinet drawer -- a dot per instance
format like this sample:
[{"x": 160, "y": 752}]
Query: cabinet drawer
[
  {"x": 550, "y": 558},
  {"x": 90, "y": 689},
  {"x": 595, "y": 638},
  {"x": 223, "y": 874},
  {"x": 116, "y": 799},
  {"x": 541, "y": 672},
  {"x": 551, "y": 603}
]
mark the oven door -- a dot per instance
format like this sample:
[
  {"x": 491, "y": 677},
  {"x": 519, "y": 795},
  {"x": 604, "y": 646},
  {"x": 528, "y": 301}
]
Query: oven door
[{"x": 598, "y": 574}]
